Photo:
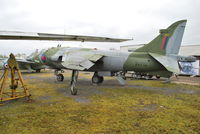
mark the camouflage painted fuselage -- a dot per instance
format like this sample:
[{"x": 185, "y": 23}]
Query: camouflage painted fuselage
[{"x": 110, "y": 61}]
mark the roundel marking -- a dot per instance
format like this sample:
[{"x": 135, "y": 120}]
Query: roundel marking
[{"x": 43, "y": 58}]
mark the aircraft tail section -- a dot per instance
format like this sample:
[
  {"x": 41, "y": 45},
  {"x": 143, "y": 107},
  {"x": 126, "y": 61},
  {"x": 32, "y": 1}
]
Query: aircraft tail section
[{"x": 168, "y": 41}]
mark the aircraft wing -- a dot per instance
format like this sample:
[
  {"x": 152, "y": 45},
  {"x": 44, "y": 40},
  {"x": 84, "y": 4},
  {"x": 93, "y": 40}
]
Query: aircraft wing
[
  {"x": 13, "y": 35},
  {"x": 24, "y": 61},
  {"x": 81, "y": 61}
]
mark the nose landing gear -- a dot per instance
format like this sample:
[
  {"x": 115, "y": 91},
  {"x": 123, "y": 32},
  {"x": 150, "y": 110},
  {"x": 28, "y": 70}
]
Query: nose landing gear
[{"x": 59, "y": 76}]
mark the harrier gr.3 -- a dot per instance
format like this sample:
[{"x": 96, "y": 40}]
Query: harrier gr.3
[{"x": 158, "y": 57}]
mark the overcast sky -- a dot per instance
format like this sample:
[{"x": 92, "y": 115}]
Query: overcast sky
[{"x": 138, "y": 19}]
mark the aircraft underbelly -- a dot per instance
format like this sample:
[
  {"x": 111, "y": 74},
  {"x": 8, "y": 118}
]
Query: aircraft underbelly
[{"x": 109, "y": 63}]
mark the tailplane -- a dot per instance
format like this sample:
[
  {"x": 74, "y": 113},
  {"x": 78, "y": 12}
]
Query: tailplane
[{"x": 168, "y": 41}]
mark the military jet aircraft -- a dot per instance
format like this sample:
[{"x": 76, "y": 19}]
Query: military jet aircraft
[
  {"x": 31, "y": 63},
  {"x": 159, "y": 57}
]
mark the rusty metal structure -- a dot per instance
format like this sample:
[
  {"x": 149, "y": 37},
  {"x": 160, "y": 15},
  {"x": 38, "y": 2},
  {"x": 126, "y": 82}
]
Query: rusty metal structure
[{"x": 15, "y": 79}]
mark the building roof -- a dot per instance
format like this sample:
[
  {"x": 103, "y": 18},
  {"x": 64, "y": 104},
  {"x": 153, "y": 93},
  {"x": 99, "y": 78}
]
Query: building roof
[{"x": 190, "y": 50}]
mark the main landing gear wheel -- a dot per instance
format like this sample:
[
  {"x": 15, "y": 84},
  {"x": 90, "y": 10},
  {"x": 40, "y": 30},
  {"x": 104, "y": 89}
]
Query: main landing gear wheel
[
  {"x": 60, "y": 77},
  {"x": 150, "y": 76},
  {"x": 97, "y": 79},
  {"x": 74, "y": 79}
]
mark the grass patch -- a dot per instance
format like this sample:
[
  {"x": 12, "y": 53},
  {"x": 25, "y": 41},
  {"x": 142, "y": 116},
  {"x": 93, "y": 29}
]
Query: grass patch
[{"x": 117, "y": 110}]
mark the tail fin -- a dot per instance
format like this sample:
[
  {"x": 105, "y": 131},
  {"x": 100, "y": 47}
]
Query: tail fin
[{"x": 168, "y": 41}]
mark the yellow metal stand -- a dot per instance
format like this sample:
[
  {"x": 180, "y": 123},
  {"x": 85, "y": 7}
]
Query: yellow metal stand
[{"x": 13, "y": 94}]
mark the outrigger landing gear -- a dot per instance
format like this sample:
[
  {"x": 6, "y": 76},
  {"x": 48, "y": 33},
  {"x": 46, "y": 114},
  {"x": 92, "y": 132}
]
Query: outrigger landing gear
[
  {"x": 96, "y": 79},
  {"x": 74, "y": 79},
  {"x": 59, "y": 75}
]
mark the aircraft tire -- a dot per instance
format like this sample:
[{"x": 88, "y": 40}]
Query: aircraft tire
[
  {"x": 38, "y": 71},
  {"x": 60, "y": 77},
  {"x": 97, "y": 79},
  {"x": 150, "y": 76},
  {"x": 157, "y": 77},
  {"x": 101, "y": 79}
]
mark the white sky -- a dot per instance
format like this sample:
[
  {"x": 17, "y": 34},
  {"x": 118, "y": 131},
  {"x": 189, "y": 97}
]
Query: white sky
[{"x": 138, "y": 19}]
